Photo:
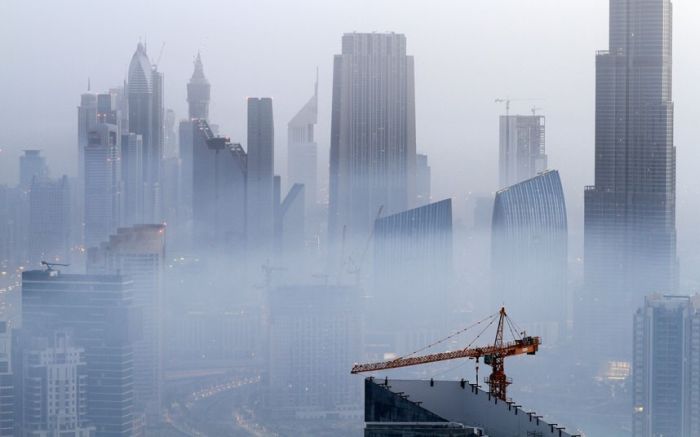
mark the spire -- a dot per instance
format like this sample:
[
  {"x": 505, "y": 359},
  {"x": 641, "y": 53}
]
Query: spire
[
  {"x": 198, "y": 74},
  {"x": 88, "y": 83}
]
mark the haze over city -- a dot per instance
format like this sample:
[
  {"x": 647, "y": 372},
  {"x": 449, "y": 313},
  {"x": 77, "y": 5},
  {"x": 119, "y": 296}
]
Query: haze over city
[{"x": 376, "y": 175}]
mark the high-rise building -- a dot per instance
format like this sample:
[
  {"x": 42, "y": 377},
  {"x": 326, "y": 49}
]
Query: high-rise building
[
  {"x": 373, "y": 132},
  {"x": 139, "y": 253},
  {"x": 99, "y": 311},
  {"x": 198, "y": 95},
  {"x": 522, "y": 148},
  {"x": 102, "y": 183},
  {"x": 49, "y": 220},
  {"x": 87, "y": 119},
  {"x": 412, "y": 254},
  {"x": 630, "y": 212},
  {"x": 8, "y": 405},
  {"x": 289, "y": 224},
  {"x": 145, "y": 102},
  {"x": 169, "y": 136},
  {"x": 218, "y": 190},
  {"x": 13, "y": 245},
  {"x": 31, "y": 165},
  {"x": 54, "y": 388},
  {"x": 132, "y": 178},
  {"x": 666, "y": 367},
  {"x": 423, "y": 180},
  {"x": 315, "y": 335},
  {"x": 261, "y": 168},
  {"x": 529, "y": 239},
  {"x": 198, "y": 92},
  {"x": 302, "y": 150}
]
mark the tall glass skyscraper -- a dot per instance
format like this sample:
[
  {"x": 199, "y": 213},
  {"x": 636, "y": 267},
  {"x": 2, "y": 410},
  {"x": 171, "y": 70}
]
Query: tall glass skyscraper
[
  {"x": 529, "y": 243},
  {"x": 630, "y": 212},
  {"x": 666, "y": 370},
  {"x": 373, "y": 132}
]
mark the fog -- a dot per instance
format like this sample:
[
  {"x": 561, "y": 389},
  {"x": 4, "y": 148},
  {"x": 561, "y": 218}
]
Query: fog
[{"x": 467, "y": 54}]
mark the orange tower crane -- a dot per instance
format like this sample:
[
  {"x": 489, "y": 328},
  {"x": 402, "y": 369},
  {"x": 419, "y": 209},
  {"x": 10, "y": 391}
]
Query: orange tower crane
[{"x": 494, "y": 355}]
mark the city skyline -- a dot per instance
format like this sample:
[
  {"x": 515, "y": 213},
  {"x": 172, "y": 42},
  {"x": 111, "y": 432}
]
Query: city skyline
[{"x": 217, "y": 271}]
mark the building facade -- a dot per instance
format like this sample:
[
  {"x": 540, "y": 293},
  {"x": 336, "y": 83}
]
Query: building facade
[
  {"x": 302, "y": 150},
  {"x": 373, "y": 132},
  {"x": 99, "y": 311},
  {"x": 103, "y": 183},
  {"x": 630, "y": 212},
  {"x": 260, "y": 175},
  {"x": 521, "y": 148},
  {"x": 412, "y": 281},
  {"x": 139, "y": 253},
  {"x": 315, "y": 335},
  {"x": 666, "y": 367},
  {"x": 49, "y": 220},
  {"x": 529, "y": 252}
]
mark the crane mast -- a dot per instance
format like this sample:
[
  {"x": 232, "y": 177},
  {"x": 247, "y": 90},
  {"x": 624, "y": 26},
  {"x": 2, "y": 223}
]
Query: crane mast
[{"x": 493, "y": 355}]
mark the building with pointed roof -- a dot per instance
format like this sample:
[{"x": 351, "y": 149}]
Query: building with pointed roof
[
  {"x": 198, "y": 92},
  {"x": 302, "y": 153}
]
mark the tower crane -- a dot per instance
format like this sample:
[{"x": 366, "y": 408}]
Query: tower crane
[
  {"x": 493, "y": 355},
  {"x": 356, "y": 268}
]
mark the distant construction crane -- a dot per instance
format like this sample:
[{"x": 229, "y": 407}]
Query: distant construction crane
[
  {"x": 494, "y": 355},
  {"x": 356, "y": 267},
  {"x": 508, "y": 100}
]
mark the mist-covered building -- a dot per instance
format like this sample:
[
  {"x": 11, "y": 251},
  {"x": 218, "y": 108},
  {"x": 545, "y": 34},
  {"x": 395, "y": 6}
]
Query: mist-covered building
[
  {"x": 32, "y": 165},
  {"x": 666, "y": 367},
  {"x": 219, "y": 187},
  {"x": 423, "y": 180},
  {"x": 145, "y": 103},
  {"x": 521, "y": 148},
  {"x": 54, "y": 388},
  {"x": 412, "y": 272},
  {"x": 8, "y": 404},
  {"x": 49, "y": 235},
  {"x": 302, "y": 150},
  {"x": 260, "y": 176},
  {"x": 99, "y": 311},
  {"x": 529, "y": 240},
  {"x": 139, "y": 253},
  {"x": 373, "y": 132},
  {"x": 315, "y": 336},
  {"x": 198, "y": 92},
  {"x": 102, "y": 185},
  {"x": 630, "y": 211}
]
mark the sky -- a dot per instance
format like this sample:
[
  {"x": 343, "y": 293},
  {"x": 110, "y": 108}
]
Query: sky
[{"x": 467, "y": 54}]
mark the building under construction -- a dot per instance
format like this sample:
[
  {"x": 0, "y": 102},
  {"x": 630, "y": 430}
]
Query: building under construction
[{"x": 412, "y": 408}]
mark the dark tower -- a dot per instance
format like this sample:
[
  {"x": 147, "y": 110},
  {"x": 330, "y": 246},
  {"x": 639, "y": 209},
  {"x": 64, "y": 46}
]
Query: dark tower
[{"x": 630, "y": 212}]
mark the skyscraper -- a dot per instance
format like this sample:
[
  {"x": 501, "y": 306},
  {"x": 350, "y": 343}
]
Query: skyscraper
[
  {"x": 302, "y": 150},
  {"x": 315, "y": 335},
  {"x": 218, "y": 191},
  {"x": 139, "y": 252},
  {"x": 529, "y": 253},
  {"x": 132, "y": 178},
  {"x": 423, "y": 180},
  {"x": 87, "y": 118},
  {"x": 522, "y": 148},
  {"x": 666, "y": 367},
  {"x": 412, "y": 254},
  {"x": 102, "y": 183},
  {"x": 198, "y": 92},
  {"x": 8, "y": 405},
  {"x": 630, "y": 212},
  {"x": 145, "y": 101},
  {"x": 373, "y": 131},
  {"x": 261, "y": 168},
  {"x": 49, "y": 220},
  {"x": 31, "y": 165},
  {"x": 98, "y": 309}
]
